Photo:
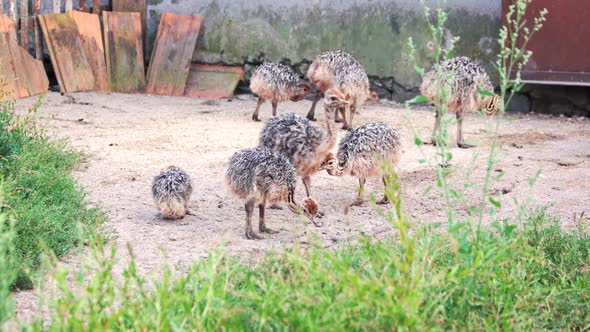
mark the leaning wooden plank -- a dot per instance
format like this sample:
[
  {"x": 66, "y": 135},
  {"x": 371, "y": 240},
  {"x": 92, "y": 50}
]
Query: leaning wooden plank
[
  {"x": 171, "y": 57},
  {"x": 8, "y": 77},
  {"x": 90, "y": 33},
  {"x": 24, "y": 24},
  {"x": 24, "y": 75},
  {"x": 56, "y": 6},
  {"x": 36, "y": 12},
  {"x": 66, "y": 50},
  {"x": 13, "y": 10},
  {"x": 32, "y": 73},
  {"x": 96, "y": 7},
  {"x": 124, "y": 52},
  {"x": 134, "y": 6},
  {"x": 213, "y": 82}
]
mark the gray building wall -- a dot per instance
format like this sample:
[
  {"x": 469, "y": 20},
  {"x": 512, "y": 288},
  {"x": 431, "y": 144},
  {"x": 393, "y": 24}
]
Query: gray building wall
[{"x": 247, "y": 32}]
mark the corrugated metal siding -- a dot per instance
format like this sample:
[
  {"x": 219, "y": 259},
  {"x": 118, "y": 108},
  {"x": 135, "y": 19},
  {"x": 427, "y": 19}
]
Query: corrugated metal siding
[{"x": 561, "y": 49}]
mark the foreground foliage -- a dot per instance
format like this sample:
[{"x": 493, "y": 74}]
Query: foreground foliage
[
  {"x": 39, "y": 191},
  {"x": 531, "y": 277}
]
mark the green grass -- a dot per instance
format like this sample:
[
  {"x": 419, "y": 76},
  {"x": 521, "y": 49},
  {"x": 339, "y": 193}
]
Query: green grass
[
  {"x": 531, "y": 277},
  {"x": 39, "y": 192}
]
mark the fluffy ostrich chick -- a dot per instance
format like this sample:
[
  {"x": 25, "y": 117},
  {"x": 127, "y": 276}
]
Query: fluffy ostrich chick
[
  {"x": 261, "y": 177},
  {"x": 172, "y": 190},
  {"x": 277, "y": 83},
  {"x": 305, "y": 144},
  {"x": 352, "y": 81},
  {"x": 328, "y": 70},
  {"x": 361, "y": 153},
  {"x": 464, "y": 78}
]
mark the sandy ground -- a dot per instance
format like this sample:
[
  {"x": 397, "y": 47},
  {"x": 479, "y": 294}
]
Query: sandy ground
[{"x": 129, "y": 138}]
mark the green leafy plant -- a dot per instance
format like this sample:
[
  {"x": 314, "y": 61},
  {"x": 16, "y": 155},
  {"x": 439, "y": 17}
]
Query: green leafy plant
[{"x": 39, "y": 191}]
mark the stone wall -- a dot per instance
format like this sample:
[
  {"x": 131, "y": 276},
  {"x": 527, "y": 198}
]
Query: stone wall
[{"x": 247, "y": 32}]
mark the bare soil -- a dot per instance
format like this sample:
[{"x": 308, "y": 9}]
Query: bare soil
[{"x": 129, "y": 138}]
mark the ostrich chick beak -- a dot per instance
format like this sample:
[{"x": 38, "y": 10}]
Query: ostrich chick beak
[{"x": 309, "y": 208}]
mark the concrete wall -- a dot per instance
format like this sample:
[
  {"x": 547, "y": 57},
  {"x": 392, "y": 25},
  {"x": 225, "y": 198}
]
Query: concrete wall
[{"x": 247, "y": 32}]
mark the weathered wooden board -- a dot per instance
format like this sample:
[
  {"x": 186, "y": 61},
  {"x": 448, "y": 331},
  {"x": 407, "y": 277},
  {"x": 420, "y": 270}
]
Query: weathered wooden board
[
  {"x": 74, "y": 41},
  {"x": 8, "y": 78},
  {"x": 66, "y": 50},
  {"x": 32, "y": 72},
  {"x": 172, "y": 53},
  {"x": 124, "y": 51},
  {"x": 90, "y": 33},
  {"x": 134, "y": 6},
  {"x": 212, "y": 82},
  {"x": 23, "y": 75}
]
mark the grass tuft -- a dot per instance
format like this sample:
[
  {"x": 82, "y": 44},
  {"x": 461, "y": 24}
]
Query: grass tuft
[{"x": 40, "y": 192}]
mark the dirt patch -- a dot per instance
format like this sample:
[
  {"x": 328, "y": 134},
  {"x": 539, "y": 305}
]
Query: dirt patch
[
  {"x": 129, "y": 138},
  {"x": 531, "y": 137}
]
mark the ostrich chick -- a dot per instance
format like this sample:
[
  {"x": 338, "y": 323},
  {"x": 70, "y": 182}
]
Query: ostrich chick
[
  {"x": 277, "y": 83},
  {"x": 261, "y": 177},
  {"x": 464, "y": 79},
  {"x": 303, "y": 143},
  {"x": 321, "y": 71},
  {"x": 172, "y": 190},
  {"x": 353, "y": 82},
  {"x": 361, "y": 153}
]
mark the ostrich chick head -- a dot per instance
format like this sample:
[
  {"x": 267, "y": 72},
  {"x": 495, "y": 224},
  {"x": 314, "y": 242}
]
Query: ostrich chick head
[
  {"x": 334, "y": 99},
  {"x": 332, "y": 166},
  {"x": 309, "y": 207},
  {"x": 302, "y": 91}
]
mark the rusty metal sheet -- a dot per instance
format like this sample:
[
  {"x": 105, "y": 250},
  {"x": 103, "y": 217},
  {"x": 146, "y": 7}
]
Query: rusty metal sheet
[
  {"x": 173, "y": 50},
  {"x": 134, "y": 6},
  {"x": 561, "y": 49},
  {"x": 24, "y": 75},
  {"x": 90, "y": 33},
  {"x": 124, "y": 51},
  {"x": 66, "y": 50},
  {"x": 212, "y": 82}
]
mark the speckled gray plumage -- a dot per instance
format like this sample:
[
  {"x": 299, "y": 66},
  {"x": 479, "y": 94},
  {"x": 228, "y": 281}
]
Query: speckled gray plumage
[
  {"x": 332, "y": 60},
  {"x": 352, "y": 81},
  {"x": 467, "y": 78},
  {"x": 294, "y": 137},
  {"x": 275, "y": 81},
  {"x": 171, "y": 181},
  {"x": 363, "y": 148},
  {"x": 254, "y": 173}
]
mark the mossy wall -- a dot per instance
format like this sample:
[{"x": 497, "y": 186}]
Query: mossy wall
[{"x": 247, "y": 32}]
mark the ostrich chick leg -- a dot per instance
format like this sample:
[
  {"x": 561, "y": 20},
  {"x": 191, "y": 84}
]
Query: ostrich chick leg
[
  {"x": 311, "y": 113},
  {"x": 344, "y": 122},
  {"x": 255, "y": 114},
  {"x": 460, "y": 142},
  {"x": 436, "y": 126},
  {"x": 261, "y": 226},
  {"x": 352, "y": 112},
  {"x": 337, "y": 116},
  {"x": 359, "y": 198},
  {"x": 383, "y": 200},
  {"x": 249, "y": 232},
  {"x": 274, "y": 107},
  {"x": 307, "y": 184}
]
